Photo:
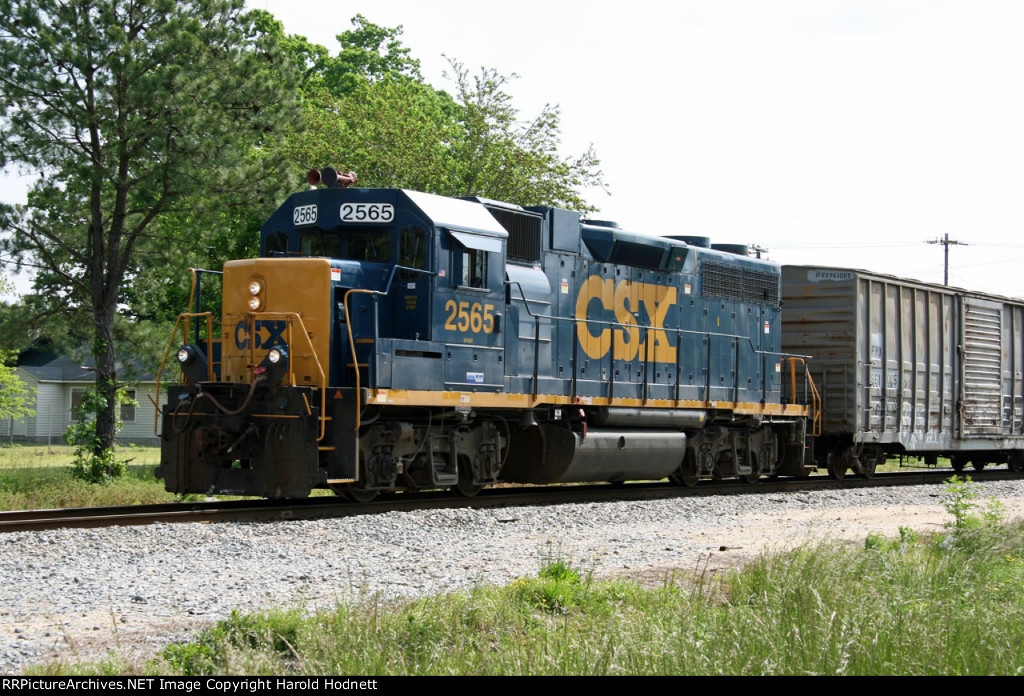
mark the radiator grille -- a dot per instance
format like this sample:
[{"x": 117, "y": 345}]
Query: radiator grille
[
  {"x": 739, "y": 284},
  {"x": 523, "y": 233}
]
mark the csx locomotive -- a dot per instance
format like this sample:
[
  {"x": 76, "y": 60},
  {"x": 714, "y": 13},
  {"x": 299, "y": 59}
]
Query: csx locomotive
[{"x": 389, "y": 339}]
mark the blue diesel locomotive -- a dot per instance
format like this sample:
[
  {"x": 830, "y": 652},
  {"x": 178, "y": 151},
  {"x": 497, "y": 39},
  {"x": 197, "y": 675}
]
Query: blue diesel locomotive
[{"x": 389, "y": 339}]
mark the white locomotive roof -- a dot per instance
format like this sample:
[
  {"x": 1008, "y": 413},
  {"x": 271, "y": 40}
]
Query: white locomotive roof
[{"x": 455, "y": 213}]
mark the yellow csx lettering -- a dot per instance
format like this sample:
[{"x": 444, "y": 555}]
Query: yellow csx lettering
[{"x": 625, "y": 299}]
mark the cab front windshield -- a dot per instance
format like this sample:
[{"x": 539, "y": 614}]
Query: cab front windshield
[
  {"x": 373, "y": 244},
  {"x": 353, "y": 244}
]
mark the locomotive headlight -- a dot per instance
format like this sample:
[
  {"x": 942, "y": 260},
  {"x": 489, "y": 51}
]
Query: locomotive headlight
[
  {"x": 274, "y": 366},
  {"x": 192, "y": 361},
  {"x": 255, "y": 303},
  {"x": 255, "y": 287}
]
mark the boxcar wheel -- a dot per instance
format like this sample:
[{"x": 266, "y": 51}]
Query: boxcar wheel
[
  {"x": 870, "y": 458},
  {"x": 957, "y": 462},
  {"x": 837, "y": 465},
  {"x": 836, "y": 472},
  {"x": 1015, "y": 461},
  {"x": 978, "y": 464}
]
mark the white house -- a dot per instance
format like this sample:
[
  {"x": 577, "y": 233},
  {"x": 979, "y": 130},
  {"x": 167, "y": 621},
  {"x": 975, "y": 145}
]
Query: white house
[{"x": 59, "y": 383}]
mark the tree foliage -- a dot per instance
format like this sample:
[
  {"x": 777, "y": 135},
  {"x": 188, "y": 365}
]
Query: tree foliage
[
  {"x": 498, "y": 156},
  {"x": 369, "y": 53},
  {"x": 127, "y": 109},
  {"x": 16, "y": 398},
  {"x": 368, "y": 110}
]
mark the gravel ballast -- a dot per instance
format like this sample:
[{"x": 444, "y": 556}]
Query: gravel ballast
[{"x": 75, "y": 594}]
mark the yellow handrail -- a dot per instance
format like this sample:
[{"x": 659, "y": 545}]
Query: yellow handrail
[
  {"x": 815, "y": 396},
  {"x": 322, "y": 384},
  {"x": 289, "y": 317},
  {"x": 209, "y": 363}
]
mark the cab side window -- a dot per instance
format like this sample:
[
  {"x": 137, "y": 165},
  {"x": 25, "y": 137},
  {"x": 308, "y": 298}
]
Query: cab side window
[{"x": 474, "y": 268}]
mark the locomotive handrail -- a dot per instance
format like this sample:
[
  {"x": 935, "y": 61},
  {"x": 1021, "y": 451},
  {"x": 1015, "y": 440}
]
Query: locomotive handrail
[
  {"x": 209, "y": 362},
  {"x": 391, "y": 276},
  {"x": 348, "y": 320},
  {"x": 737, "y": 339},
  {"x": 526, "y": 302},
  {"x": 815, "y": 396},
  {"x": 195, "y": 294},
  {"x": 352, "y": 343},
  {"x": 290, "y": 317}
]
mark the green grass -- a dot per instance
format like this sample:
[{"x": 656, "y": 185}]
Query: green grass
[
  {"x": 943, "y": 604},
  {"x": 39, "y": 477}
]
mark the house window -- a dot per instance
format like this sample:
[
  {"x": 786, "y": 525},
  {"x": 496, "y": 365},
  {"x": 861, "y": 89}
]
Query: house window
[
  {"x": 128, "y": 410},
  {"x": 76, "y": 399}
]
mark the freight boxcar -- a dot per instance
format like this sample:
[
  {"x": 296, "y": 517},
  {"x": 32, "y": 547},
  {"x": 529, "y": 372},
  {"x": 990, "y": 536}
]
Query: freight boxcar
[{"x": 907, "y": 367}]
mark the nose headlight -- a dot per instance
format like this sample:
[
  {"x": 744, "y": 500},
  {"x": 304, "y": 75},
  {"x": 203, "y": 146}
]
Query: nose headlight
[
  {"x": 192, "y": 361},
  {"x": 255, "y": 287},
  {"x": 274, "y": 366},
  {"x": 255, "y": 303}
]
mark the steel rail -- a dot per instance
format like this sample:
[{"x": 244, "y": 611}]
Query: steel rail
[{"x": 332, "y": 507}]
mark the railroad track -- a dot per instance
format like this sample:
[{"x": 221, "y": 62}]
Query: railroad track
[{"x": 327, "y": 507}]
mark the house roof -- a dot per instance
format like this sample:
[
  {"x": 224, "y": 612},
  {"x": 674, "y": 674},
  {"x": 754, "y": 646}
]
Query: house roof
[{"x": 63, "y": 368}]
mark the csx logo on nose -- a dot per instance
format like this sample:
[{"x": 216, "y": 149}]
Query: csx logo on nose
[
  {"x": 625, "y": 299},
  {"x": 268, "y": 332}
]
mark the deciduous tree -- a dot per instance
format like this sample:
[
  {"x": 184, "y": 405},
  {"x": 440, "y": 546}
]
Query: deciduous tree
[
  {"x": 16, "y": 398},
  {"x": 125, "y": 109},
  {"x": 368, "y": 109}
]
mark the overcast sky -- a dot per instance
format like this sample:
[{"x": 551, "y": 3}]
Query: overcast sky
[{"x": 843, "y": 133}]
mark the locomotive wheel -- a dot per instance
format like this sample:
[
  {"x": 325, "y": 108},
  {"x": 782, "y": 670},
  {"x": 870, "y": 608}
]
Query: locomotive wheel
[
  {"x": 361, "y": 495},
  {"x": 465, "y": 486},
  {"x": 750, "y": 478},
  {"x": 468, "y": 490},
  {"x": 1015, "y": 460},
  {"x": 686, "y": 474},
  {"x": 957, "y": 462}
]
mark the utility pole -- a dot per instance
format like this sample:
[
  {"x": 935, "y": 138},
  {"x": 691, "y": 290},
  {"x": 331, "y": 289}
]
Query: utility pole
[{"x": 946, "y": 241}]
